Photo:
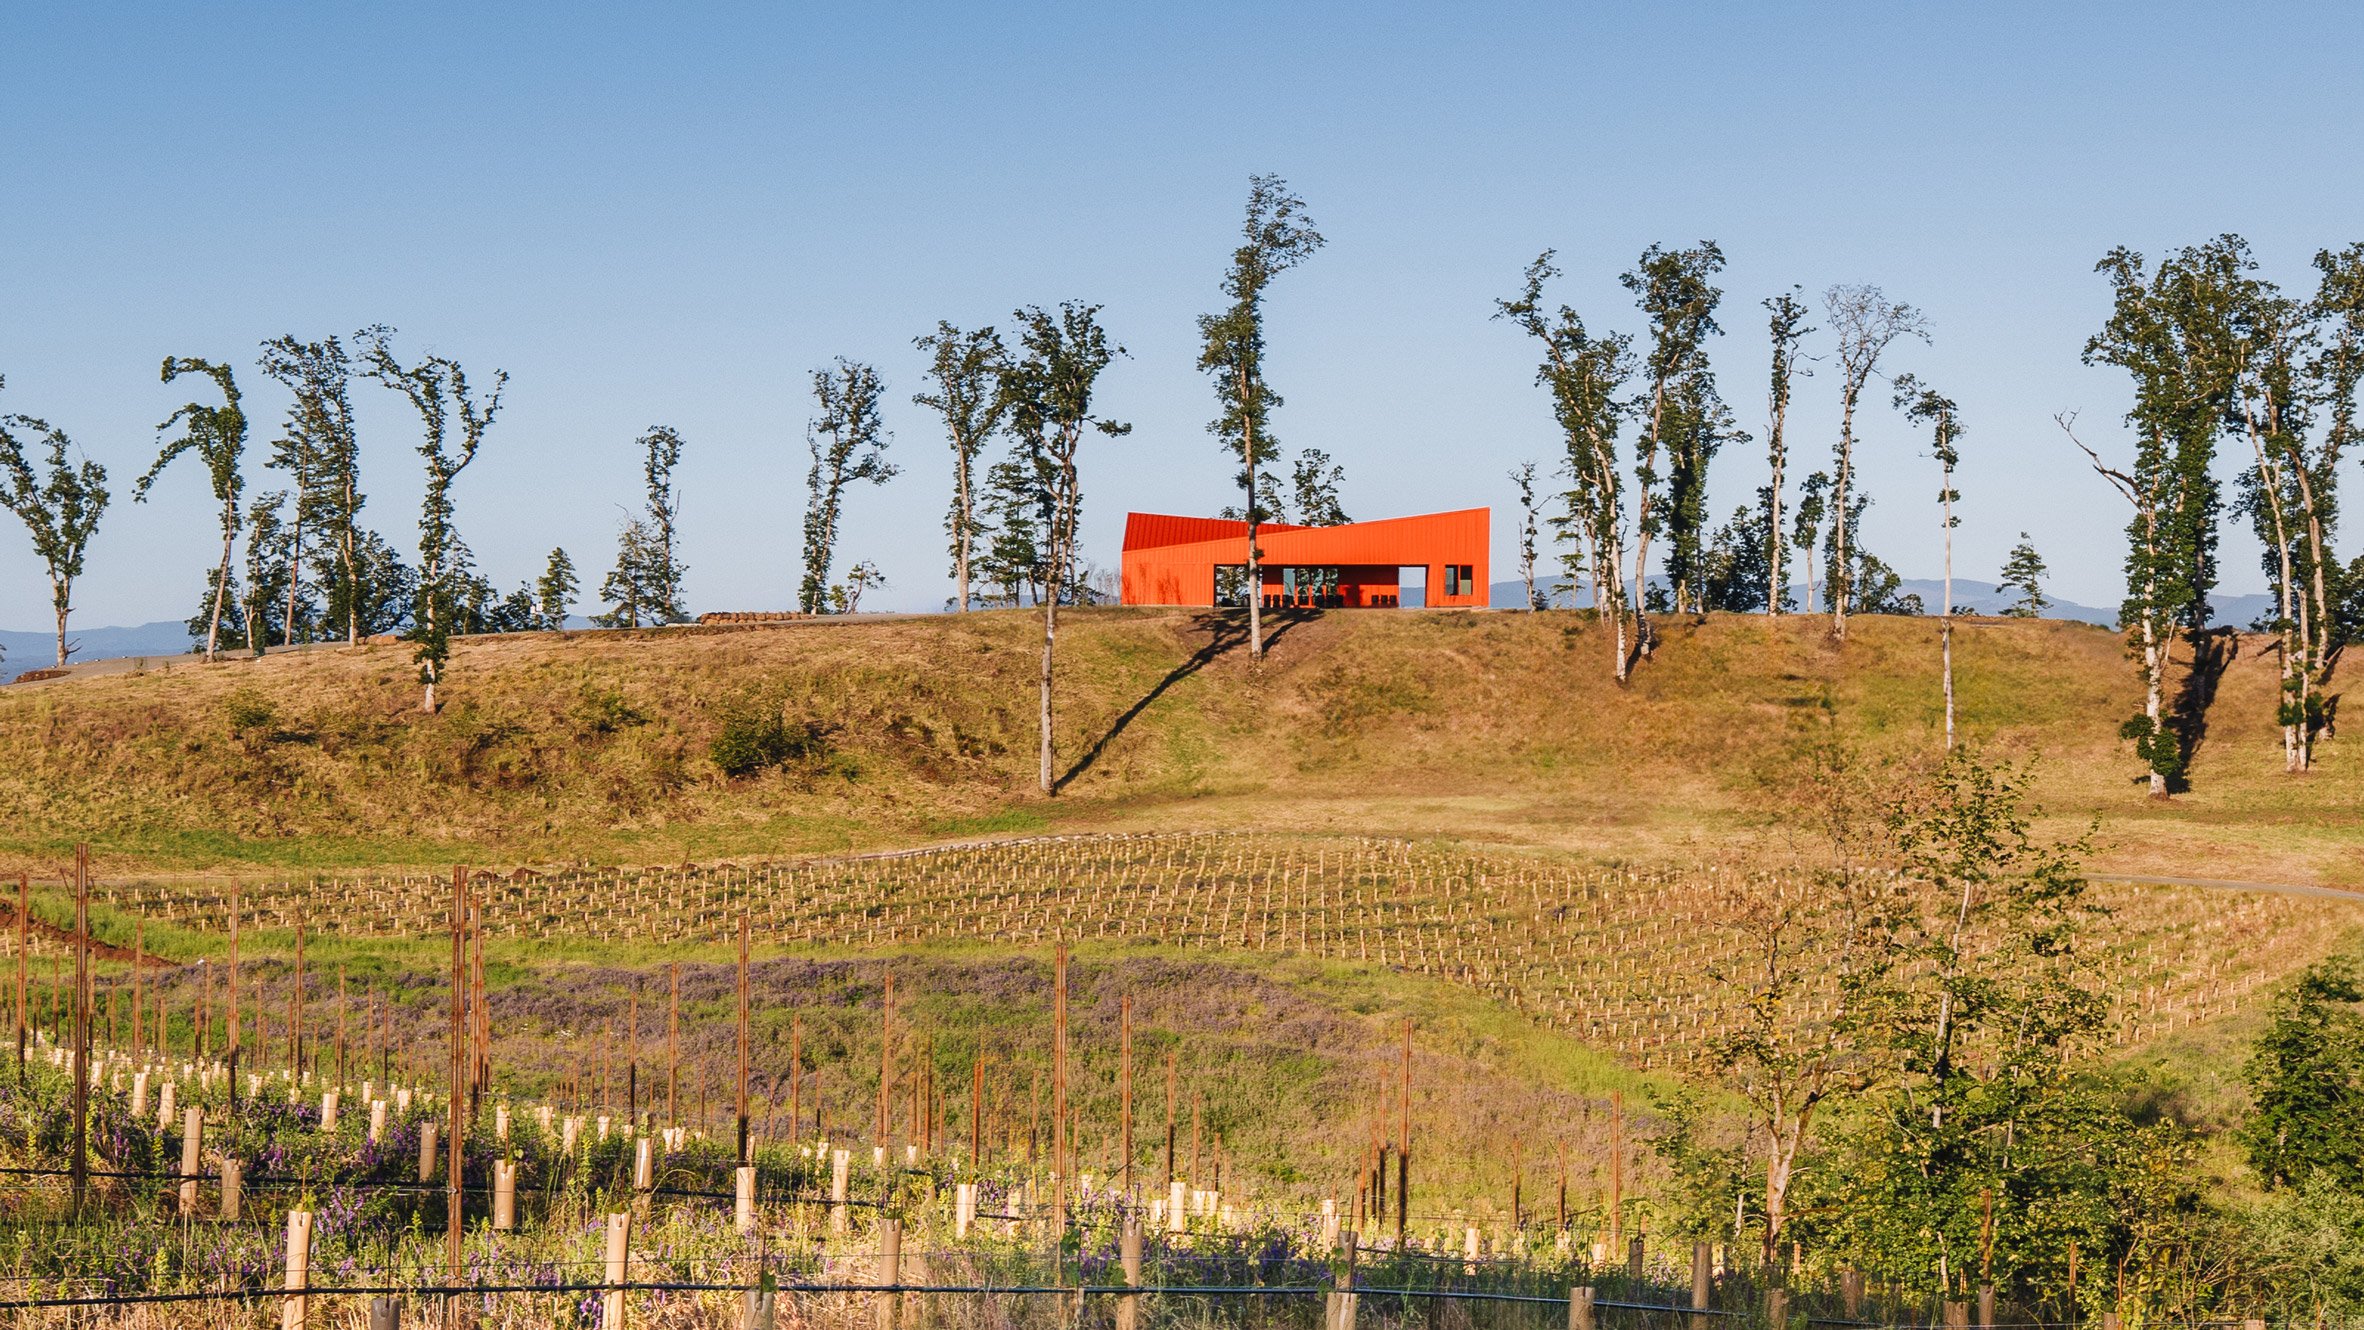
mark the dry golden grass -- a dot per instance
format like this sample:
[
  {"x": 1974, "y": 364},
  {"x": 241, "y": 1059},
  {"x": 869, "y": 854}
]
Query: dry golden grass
[{"x": 1491, "y": 727}]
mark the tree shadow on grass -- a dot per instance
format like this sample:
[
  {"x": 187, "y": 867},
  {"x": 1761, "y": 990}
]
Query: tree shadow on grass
[
  {"x": 2212, "y": 654},
  {"x": 2329, "y": 723},
  {"x": 1225, "y": 629}
]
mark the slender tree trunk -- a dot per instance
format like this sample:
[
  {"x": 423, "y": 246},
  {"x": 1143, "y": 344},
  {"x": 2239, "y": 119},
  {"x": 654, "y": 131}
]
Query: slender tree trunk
[
  {"x": 1053, "y": 577},
  {"x": 2154, "y": 668},
  {"x": 349, "y": 556},
  {"x": 1050, "y": 642},
  {"x": 1945, "y": 623},
  {"x": 965, "y": 535},
  {"x": 1943, "y": 1063},
  {"x": 430, "y": 577},
  {"x": 2315, "y": 609},
  {"x": 1609, "y": 591},
  {"x": 221, "y": 591},
  {"x": 1780, "y": 1168},
  {"x": 2293, "y": 756},
  {"x": 1840, "y": 582},
  {"x": 63, "y": 599},
  {"x": 1774, "y": 578},
  {"x": 295, "y": 567},
  {"x": 1641, "y": 555},
  {"x": 1255, "y": 556}
]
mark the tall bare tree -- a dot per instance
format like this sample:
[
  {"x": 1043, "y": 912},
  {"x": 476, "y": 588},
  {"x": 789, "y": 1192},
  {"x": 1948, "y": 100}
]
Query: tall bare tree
[
  {"x": 1787, "y": 326},
  {"x": 1683, "y": 421},
  {"x": 320, "y": 450},
  {"x": 1049, "y": 387},
  {"x": 645, "y": 584},
  {"x": 438, "y": 389},
  {"x": 1522, "y": 479},
  {"x": 848, "y": 446},
  {"x": 2147, "y": 566},
  {"x": 1584, "y": 375},
  {"x": 2173, "y": 329},
  {"x": 60, "y": 509},
  {"x": 965, "y": 369},
  {"x": 217, "y": 434},
  {"x": 1276, "y": 236},
  {"x": 2294, "y": 397},
  {"x": 1923, "y": 405},
  {"x": 1865, "y": 322}
]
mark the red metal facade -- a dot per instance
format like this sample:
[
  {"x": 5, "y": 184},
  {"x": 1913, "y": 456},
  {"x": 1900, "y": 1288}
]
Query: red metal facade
[{"x": 1172, "y": 560}]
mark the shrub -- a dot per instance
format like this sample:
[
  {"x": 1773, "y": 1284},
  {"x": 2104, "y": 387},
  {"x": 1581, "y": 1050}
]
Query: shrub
[
  {"x": 603, "y": 710},
  {"x": 248, "y": 713},
  {"x": 757, "y": 735}
]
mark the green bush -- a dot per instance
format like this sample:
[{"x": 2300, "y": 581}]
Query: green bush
[
  {"x": 757, "y": 735},
  {"x": 248, "y": 714},
  {"x": 603, "y": 710}
]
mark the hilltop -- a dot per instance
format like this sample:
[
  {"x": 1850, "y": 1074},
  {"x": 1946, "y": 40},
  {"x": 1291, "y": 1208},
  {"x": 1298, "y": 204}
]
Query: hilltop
[{"x": 1493, "y": 727}]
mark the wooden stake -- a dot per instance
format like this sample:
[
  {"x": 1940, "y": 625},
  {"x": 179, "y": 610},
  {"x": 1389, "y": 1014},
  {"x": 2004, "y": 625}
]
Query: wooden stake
[
  {"x": 1403, "y": 1148},
  {"x": 1197, "y": 1121},
  {"x": 886, "y": 1061},
  {"x": 455, "y": 1092},
  {"x": 232, "y": 1033},
  {"x": 744, "y": 1155},
  {"x": 1616, "y": 1167},
  {"x": 24, "y": 951},
  {"x": 295, "y": 1013},
  {"x": 1059, "y": 1141},
  {"x": 480, "y": 1024},
  {"x": 1562, "y": 1146},
  {"x": 795, "y": 1075},
  {"x": 1125, "y": 1079},
  {"x": 1518, "y": 1172},
  {"x": 81, "y": 1068}
]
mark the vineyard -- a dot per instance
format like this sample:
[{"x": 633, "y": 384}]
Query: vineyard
[
  {"x": 324, "y": 1195},
  {"x": 1613, "y": 957},
  {"x": 312, "y": 1165},
  {"x": 904, "y": 1055}
]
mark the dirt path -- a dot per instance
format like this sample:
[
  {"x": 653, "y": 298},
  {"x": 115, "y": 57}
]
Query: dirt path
[{"x": 2229, "y": 884}]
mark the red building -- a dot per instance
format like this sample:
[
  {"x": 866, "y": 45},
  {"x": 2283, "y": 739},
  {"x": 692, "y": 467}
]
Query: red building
[{"x": 1174, "y": 560}]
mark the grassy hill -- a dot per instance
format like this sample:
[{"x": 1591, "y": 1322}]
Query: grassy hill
[
  {"x": 1527, "y": 803},
  {"x": 596, "y": 747}
]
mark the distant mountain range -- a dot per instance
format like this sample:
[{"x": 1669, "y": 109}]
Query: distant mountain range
[
  {"x": 1970, "y": 597},
  {"x": 21, "y": 651}
]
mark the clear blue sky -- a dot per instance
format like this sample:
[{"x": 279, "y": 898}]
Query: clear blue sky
[{"x": 673, "y": 213}]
